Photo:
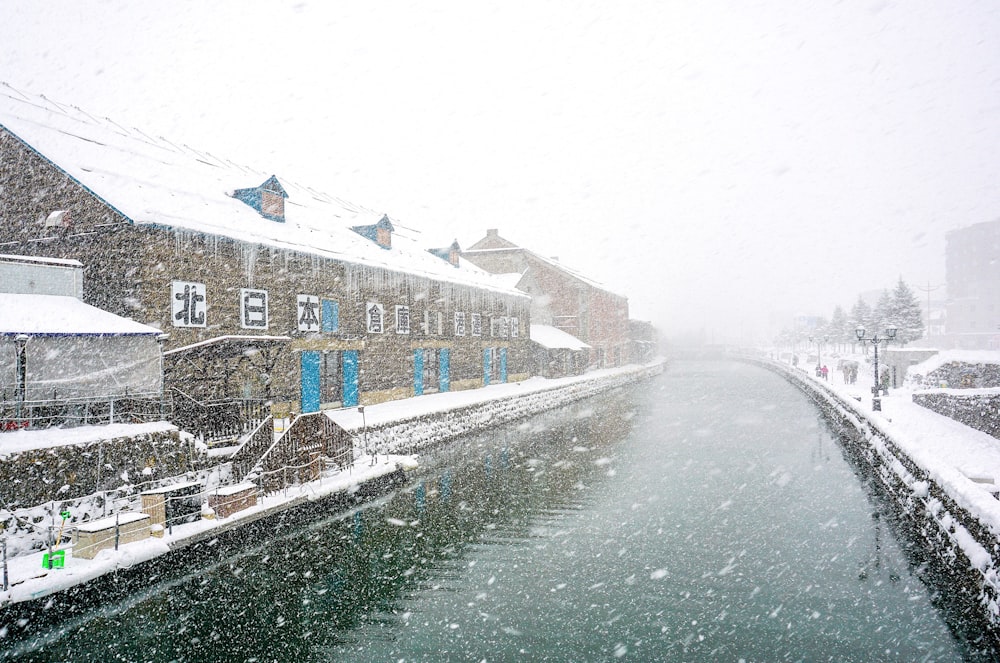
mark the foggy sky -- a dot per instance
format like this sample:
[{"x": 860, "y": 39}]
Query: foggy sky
[{"x": 711, "y": 160}]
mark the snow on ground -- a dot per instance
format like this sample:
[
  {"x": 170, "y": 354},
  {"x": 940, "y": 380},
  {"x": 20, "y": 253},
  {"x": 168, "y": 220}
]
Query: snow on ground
[
  {"x": 47, "y": 438},
  {"x": 948, "y": 356}
]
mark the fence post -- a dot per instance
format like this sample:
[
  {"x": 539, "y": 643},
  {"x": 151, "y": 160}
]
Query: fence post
[
  {"x": 284, "y": 479},
  {"x": 50, "y": 548},
  {"x": 117, "y": 532},
  {"x": 6, "y": 582}
]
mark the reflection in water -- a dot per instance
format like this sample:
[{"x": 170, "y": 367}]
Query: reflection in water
[{"x": 701, "y": 516}]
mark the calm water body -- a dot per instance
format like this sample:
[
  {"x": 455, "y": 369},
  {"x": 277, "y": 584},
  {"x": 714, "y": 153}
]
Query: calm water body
[{"x": 707, "y": 515}]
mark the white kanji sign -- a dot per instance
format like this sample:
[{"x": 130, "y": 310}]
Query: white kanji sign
[
  {"x": 402, "y": 319},
  {"x": 375, "y": 317},
  {"x": 308, "y": 313},
  {"x": 253, "y": 308}
]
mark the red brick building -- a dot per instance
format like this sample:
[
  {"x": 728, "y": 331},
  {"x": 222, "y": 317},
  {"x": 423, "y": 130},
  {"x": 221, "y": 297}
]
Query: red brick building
[{"x": 561, "y": 297}]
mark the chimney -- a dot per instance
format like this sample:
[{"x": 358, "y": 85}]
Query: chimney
[{"x": 491, "y": 232}]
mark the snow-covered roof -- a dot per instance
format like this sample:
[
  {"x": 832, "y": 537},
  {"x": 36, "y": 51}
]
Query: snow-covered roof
[
  {"x": 552, "y": 262},
  {"x": 56, "y": 315},
  {"x": 243, "y": 340},
  {"x": 154, "y": 181},
  {"x": 62, "y": 262},
  {"x": 511, "y": 279},
  {"x": 960, "y": 356},
  {"x": 555, "y": 339}
]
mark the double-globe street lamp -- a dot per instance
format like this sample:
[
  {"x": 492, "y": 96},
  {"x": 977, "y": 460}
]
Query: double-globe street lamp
[{"x": 890, "y": 333}]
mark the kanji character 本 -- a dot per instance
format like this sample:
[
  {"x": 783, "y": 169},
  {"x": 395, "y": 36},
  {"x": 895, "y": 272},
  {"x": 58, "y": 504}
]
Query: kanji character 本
[{"x": 308, "y": 313}]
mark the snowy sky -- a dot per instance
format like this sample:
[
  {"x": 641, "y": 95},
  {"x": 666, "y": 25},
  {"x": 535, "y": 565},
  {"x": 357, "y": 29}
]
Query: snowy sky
[{"x": 712, "y": 160}]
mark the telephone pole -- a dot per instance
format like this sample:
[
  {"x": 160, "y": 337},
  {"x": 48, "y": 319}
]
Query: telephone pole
[{"x": 928, "y": 289}]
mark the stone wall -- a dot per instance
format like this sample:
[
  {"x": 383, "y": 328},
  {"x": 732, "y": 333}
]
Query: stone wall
[
  {"x": 980, "y": 411},
  {"x": 411, "y": 435},
  {"x": 962, "y": 375},
  {"x": 29, "y": 478}
]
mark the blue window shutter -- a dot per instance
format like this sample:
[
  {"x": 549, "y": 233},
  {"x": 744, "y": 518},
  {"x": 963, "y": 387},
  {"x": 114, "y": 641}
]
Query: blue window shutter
[
  {"x": 331, "y": 322},
  {"x": 309, "y": 368},
  {"x": 418, "y": 372}
]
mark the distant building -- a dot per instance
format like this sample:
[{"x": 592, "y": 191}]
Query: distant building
[
  {"x": 972, "y": 270},
  {"x": 644, "y": 340},
  {"x": 561, "y": 298}
]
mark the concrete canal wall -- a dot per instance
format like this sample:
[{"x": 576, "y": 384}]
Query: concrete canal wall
[
  {"x": 950, "y": 528},
  {"x": 411, "y": 434}
]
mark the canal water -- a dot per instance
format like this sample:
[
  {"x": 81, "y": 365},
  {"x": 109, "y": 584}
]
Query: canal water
[{"x": 704, "y": 515}]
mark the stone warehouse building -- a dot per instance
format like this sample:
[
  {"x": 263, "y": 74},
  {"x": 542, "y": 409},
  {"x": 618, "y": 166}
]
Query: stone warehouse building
[
  {"x": 561, "y": 298},
  {"x": 268, "y": 289}
]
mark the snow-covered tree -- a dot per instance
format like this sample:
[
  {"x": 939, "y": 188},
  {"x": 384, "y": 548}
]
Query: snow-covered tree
[
  {"x": 841, "y": 331},
  {"x": 882, "y": 316},
  {"x": 861, "y": 316},
  {"x": 904, "y": 313}
]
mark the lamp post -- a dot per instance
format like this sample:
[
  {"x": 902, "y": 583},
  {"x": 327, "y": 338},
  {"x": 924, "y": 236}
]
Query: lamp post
[
  {"x": 364, "y": 427},
  {"x": 819, "y": 354},
  {"x": 21, "y": 369},
  {"x": 161, "y": 340},
  {"x": 890, "y": 333}
]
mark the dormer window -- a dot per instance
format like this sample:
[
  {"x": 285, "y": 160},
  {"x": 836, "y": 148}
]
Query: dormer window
[
  {"x": 451, "y": 253},
  {"x": 268, "y": 199},
  {"x": 380, "y": 233}
]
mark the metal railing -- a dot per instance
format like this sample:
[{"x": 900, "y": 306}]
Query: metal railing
[
  {"x": 218, "y": 420},
  {"x": 68, "y": 410},
  {"x": 253, "y": 449},
  {"x": 310, "y": 436}
]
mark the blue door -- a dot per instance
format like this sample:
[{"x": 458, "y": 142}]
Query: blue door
[
  {"x": 444, "y": 372},
  {"x": 418, "y": 371},
  {"x": 486, "y": 366},
  {"x": 309, "y": 366},
  {"x": 503, "y": 364},
  {"x": 350, "y": 365}
]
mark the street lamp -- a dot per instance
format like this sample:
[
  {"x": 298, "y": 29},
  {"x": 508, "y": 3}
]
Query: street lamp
[
  {"x": 819, "y": 355},
  {"x": 364, "y": 426},
  {"x": 161, "y": 340},
  {"x": 890, "y": 333},
  {"x": 21, "y": 369}
]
